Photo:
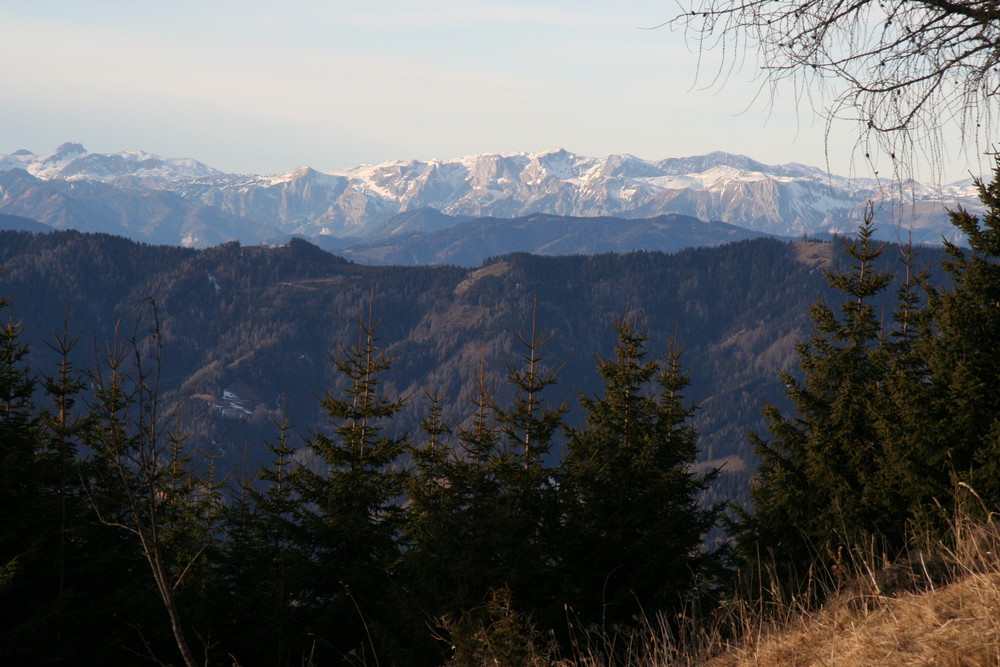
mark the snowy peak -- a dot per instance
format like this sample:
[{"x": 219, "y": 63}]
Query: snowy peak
[
  {"x": 700, "y": 163},
  {"x": 64, "y": 153},
  {"x": 71, "y": 161},
  {"x": 363, "y": 201},
  {"x": 304, "y": 177}
]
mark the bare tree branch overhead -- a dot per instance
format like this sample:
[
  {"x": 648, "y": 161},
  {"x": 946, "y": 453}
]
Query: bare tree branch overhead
[{"x": 907, "y": 71}]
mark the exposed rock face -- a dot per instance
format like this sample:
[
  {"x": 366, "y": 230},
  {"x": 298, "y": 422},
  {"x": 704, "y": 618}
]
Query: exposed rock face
[{"x": 361, "y": 201}]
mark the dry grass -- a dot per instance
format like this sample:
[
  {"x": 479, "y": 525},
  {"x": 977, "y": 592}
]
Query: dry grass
[
  {"x": 958, "y": 624},
  {"x": 945, "y": 612},
  {"x": 814, "y": 254},
  {"x": 955, "y": 623},
  {"x": 940, "y": 609},
  {"x": 952, "y": 625}
]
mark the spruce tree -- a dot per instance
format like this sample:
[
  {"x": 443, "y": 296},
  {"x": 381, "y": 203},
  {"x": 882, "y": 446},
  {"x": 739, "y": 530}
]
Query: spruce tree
[
  {"x": 349, "y": 511},
  {"x": 458, "y": 513},
  {"x": 25, "y": 535},
  {"x": 78, "y": 578},
  {"x": 435, "y": 501},
  {"x": 823, "y": 477},
  {"x": 66, "y": 577},
  {"x": 633, "y": 525},
  {"x": 259, "y": 562},
  {"x": 961, "y": 349},
  {"x": 916, "y": 486},
  {"x": 482, "y": 514},
  {"x": 529, "y": 427},
  {"x": 143, "y": 483}
]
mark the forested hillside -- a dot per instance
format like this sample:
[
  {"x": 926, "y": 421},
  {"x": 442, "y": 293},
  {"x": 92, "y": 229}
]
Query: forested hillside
[
  {"x": 248, "y": 329},
  {"x": 273, "y": 454}
]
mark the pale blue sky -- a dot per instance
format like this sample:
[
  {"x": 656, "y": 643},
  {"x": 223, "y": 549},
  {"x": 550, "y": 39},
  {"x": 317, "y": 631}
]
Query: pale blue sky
[{"x": 265, "y": 86}]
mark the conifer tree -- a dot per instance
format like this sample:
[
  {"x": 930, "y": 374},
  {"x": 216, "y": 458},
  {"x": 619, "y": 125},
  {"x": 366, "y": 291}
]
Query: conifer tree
[
  {"x": 349, "y": 511},
  {"x": 23, "y": 511},
  {"x": 143, "y": 483},
  {"x": 632, "y": 521},
  {"x": 432, "y": 515},
  {"x": 529, "y": 427},
  {"x": 78, "y": 577},
  {"x": 961, "y": 348},
  {"x": 456, "y": 523},
  {"x": 482, "y": 515},
  {"x": 916, "y": 486},
  {"x": 259, "y": 562},
  {"x": 822, "y": 478}
]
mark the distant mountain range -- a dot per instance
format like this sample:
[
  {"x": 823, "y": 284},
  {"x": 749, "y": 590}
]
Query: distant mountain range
[
  {"x": 16, "y": 223},
  {"x": 436, "y": 210},
  {"x": 469, "y": 242}
]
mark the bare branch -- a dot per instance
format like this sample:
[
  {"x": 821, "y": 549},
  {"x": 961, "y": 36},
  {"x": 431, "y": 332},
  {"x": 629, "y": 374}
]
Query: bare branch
[{"x": 904, "y": 70}]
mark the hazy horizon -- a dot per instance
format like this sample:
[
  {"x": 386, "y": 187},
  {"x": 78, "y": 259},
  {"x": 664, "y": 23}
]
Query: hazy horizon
[{"x": 255, "y": 87}]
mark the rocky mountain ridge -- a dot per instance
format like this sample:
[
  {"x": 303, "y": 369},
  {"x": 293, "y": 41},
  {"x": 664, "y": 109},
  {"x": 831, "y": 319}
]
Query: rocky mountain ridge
[{"x": 362, "y": 203}]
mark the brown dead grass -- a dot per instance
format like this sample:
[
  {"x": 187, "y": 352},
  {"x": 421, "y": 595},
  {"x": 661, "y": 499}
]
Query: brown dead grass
[
  {"x": 949, "y": 618},
  {"x": 948, "y": 626},
  {"x": 495, "y": 269},
  {"x": 814, "y": 254},
  {"x": 958, "y": 624}
]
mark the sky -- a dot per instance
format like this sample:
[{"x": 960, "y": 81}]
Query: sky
[{"x": 264, "y": 87}]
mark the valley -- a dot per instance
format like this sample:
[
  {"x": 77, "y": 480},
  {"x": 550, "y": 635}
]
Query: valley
[{"x": 248, "y": 330}]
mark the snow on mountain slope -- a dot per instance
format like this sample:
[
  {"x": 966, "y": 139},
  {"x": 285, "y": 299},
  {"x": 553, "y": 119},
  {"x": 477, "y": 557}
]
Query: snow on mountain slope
[
  {"x": 143, "y": 214},
  {"x": 791, "y": 199},
  {"x": 72, "y": 161},
  {"x": 784, "y": 199}
]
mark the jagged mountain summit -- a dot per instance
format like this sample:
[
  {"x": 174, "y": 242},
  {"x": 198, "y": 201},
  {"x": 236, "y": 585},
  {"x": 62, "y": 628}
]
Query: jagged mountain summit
[
  {"x": 365, "y": 203},
  {"x": 71, "y": 161}
]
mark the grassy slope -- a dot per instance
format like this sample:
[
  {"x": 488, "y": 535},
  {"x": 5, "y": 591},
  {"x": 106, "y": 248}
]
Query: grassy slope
[{"x": 958, "y": 624}]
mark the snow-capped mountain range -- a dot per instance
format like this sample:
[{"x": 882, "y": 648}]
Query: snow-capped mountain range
[
  {"x": 183, "y": 201},
  {"x": 129, "y": 168}
]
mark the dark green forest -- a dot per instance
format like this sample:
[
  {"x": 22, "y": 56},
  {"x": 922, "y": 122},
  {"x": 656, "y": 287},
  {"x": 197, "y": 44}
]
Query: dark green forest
[
  {"x": 270, "y": 455},
  {"x": 247, "y": 332}
]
